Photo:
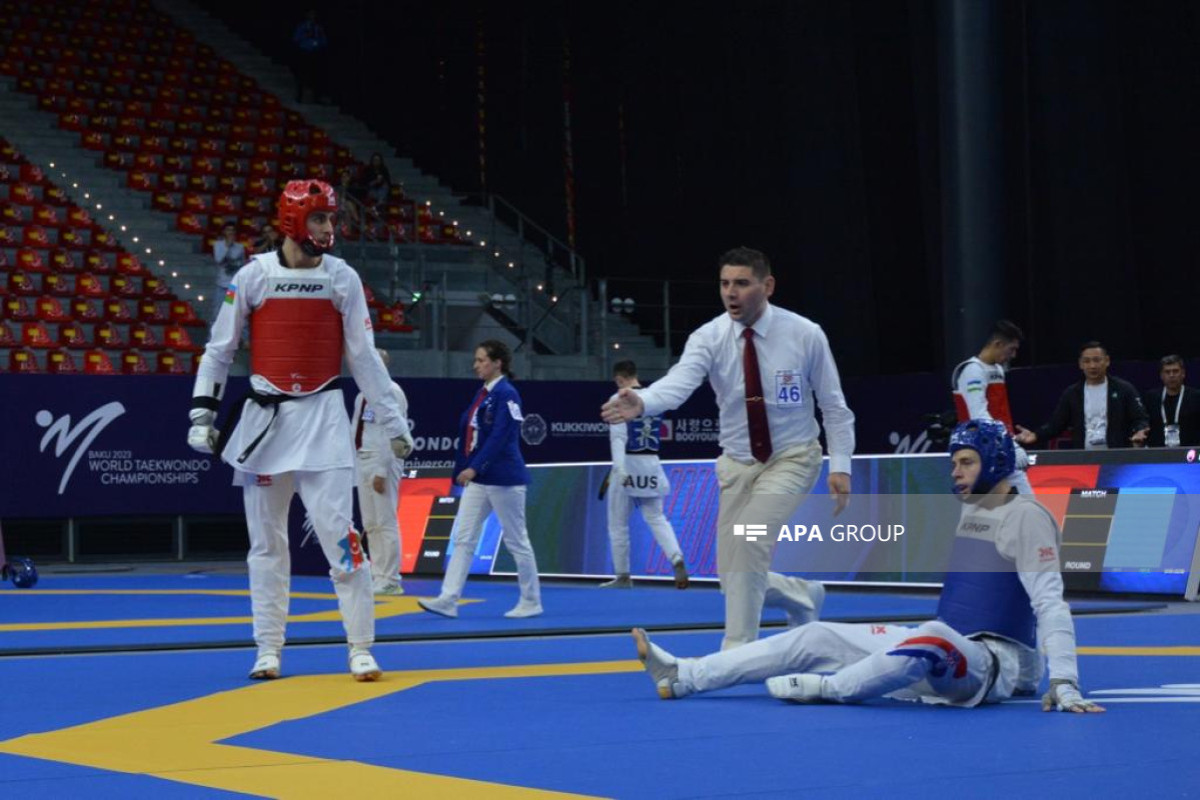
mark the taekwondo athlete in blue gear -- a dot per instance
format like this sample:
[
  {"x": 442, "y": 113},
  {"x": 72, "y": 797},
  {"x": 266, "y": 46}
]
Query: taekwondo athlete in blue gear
[
  {"x": 637, "y": 479},
  {"x": 1001, "y": 609}
]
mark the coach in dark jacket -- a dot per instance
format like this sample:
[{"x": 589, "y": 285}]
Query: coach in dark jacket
[
  {"x": 1173, "y": 405},
  {"x": 1124, "y": 422}
]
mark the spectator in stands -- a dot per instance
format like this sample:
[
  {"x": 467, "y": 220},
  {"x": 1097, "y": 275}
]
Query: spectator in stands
[
  {"x": 1101, "y": 410},
  {"x": 268, "y": 239},
  {"x": 489, "y": 465},
  {"x": 1174, "y": 409},
  {"x": 376, "y": 181},
  {"x": 350, "y": 193},
  {"x": 230, "y": 255},
  {"x": 311, "y": 53}
]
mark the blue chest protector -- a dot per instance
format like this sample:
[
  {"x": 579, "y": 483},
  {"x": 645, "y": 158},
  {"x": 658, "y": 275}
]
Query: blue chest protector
[
  {"x": 982, "y": 593},
  {"x": 645, "y": 435}
]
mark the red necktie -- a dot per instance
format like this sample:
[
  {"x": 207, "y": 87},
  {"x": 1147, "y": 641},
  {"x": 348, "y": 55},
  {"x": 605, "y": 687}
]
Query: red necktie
[
  {"x": 756, "y": 405},
  {"x": 359, "y": 430},
  {"x": 470, "y": 416}
]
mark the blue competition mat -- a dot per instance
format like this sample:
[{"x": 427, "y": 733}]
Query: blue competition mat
[
  {"x": 577, "y": 715},
  {"x": 113, "y": 612}
]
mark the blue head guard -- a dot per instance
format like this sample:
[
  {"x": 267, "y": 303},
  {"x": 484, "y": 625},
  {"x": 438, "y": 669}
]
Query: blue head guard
[
  {"x": 997, "y": 454},
  {"x": 22, "y": 571}
]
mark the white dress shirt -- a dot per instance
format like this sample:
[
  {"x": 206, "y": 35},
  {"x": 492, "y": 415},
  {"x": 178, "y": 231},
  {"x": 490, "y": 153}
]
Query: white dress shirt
[{"x": 791, "y": 350}]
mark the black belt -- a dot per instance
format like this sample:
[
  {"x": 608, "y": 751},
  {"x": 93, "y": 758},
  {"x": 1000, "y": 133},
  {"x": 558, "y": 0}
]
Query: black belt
[{"x": 272, "y": 400}]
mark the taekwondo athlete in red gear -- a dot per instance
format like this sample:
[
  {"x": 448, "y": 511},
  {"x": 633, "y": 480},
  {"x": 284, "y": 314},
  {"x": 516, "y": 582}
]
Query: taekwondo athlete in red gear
[
  {"x": 305, "y": 309},
  {"x": 981, "y": 393},
  {"x": 1000, "y": 610}
]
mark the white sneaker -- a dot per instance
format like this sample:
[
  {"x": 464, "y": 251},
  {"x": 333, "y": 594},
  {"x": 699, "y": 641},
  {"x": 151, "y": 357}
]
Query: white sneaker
[
  {"x": 802, "y": 687},
  {"x": 619, "y": 582},
  {"x": 523, "y": 609},
  {"x": 439, "y": 606},
  {"x": 662, "y": 666},
  {"x": 363, "y": 666},
  {"x": 266, "y": 666},
  {"x": 442, "y": 606},
  {"x": 389, "y": 589},
  {"x": 808, "y": 599}
]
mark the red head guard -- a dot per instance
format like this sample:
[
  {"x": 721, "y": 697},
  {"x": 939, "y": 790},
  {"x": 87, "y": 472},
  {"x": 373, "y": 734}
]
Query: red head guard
[{"x": 299, "y": 199}]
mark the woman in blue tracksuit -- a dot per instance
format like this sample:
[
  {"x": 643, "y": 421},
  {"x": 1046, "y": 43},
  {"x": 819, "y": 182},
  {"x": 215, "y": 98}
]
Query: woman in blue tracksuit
[{"x": 489, "y": 465}]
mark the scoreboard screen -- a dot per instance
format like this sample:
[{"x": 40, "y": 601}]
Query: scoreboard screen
[{"x": 1129, "y": 521}]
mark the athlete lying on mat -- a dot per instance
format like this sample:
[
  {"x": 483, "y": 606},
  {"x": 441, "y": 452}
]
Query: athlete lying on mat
[{"x": 1001, "y": 607}]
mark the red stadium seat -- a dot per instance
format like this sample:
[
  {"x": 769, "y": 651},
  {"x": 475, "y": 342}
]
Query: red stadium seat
[
  {"x": 32, "y": 173},
  {"x": 6, "y": 336},
  {"x": 21, "y": 285},
  {"x": 188, "y": 222},
  {"x": 124, "y": 287},
  {"x": 171, "y": 363},
  {"x": 177, "y": 337},
  {"x": 151, "y": 312},
  {"x": 35, "y": 334},
  {"x": 105, "y": 240},
  {"x": 71, "y": 334},
  {"x": 134, "y": 363},
  {"x": 129, "y": 264},
  {"x": 98, "y": 262},
  {"x": 35, "y": 236},
  {"x": 60, "y": 362},
  {"x": 59, "y": 285},
  {"x": 79, "y": 217},
  {"x": 143, "y": 336},
  {"x": 51, "y": 309},
  {"x": 182, "y": 313},
  {"x": 88, "y": 285},
  {"x": 30, "y": 260},
  {"x": 63, "y": 260},
  {"x": 97, "y": 362},
  {"x": 85, "y": 310},
  {"x": 117, "y": 311},
  {"x": 23, "y": 360},
  {"x": 156, "y": 288},
  {"x": 105, "y": 334},
  {"x": 47, "y": 215}
]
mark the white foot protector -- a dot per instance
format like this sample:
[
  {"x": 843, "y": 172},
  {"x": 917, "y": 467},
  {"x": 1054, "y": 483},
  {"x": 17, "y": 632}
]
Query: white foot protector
[{"x": 802, "y": 687}]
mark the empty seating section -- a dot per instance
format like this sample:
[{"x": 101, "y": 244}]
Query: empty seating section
[
  {"x": 204, "y": 142},
  {"x": 71, "y": 300}
]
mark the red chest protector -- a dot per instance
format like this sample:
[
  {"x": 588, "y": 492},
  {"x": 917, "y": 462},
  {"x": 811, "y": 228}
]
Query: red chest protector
[{"x": 296, "y": 335}]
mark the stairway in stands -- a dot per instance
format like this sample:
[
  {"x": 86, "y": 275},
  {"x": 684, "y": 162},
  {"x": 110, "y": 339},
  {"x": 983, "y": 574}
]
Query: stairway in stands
[{"x": 140, "y": 122}]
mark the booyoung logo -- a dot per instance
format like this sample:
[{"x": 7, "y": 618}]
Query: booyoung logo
[{"x": 63, "y": 435}]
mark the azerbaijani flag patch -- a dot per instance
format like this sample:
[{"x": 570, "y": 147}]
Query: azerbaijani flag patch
[{"x": 230, "y": 294}]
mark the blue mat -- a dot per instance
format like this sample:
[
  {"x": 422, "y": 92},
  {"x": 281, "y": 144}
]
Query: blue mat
[
  {"x": 114, "y": 612},
  {"x": 607, "y": 733}
]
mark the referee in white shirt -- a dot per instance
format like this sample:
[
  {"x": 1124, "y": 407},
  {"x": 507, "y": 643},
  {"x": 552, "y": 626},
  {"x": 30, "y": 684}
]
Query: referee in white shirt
[{"x": 766, "y": 365}]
